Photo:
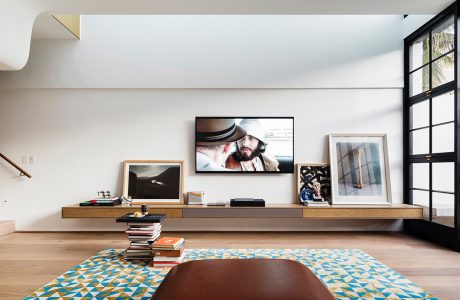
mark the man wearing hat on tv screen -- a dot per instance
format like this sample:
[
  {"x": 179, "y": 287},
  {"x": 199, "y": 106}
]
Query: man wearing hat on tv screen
[
  {"x": 214, "y": 140},
  {"x": 250, "y": 154}
]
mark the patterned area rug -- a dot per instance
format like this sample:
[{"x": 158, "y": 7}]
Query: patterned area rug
[{"x": 348, "y": 273}]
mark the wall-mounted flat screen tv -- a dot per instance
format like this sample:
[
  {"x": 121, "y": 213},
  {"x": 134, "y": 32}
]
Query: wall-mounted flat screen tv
[{"x": 244, "y": 144}]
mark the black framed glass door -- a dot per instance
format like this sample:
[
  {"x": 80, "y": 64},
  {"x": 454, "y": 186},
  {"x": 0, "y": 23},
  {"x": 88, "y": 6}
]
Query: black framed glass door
[{"x": 431, "y": 160}]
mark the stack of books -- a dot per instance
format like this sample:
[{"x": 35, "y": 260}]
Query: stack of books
[
  {"x": 102, "y": 202},
  {"x": 141, "y": 237},
  {"x": 142, "y": 231},
  {"x": 168, "y": 252}
]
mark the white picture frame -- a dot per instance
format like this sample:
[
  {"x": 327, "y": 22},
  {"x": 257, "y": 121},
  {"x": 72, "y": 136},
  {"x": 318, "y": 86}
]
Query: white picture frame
[
  {"x": 154, "y": 181},
  {"x": 360, "y": 172}
]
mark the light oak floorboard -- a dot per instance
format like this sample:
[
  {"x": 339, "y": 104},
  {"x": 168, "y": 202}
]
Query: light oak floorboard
[{"x": 30, "y": 260}]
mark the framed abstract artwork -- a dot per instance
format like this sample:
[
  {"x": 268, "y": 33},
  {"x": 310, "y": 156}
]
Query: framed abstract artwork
[
  {"x": 359, "y": 169},
  {"x": 314, "y": 182},
  {"x": 154, "y": 181}
]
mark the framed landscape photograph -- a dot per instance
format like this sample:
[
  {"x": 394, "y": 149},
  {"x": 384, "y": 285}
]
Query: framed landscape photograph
[
  {"x": 359, "y": 169},
  {"x": 154, "y": 181},
  {"x": 314, "y": 181}
]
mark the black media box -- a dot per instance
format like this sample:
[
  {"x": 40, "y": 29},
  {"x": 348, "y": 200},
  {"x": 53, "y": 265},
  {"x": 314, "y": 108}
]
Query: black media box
[{"x": 249, "y": 202}]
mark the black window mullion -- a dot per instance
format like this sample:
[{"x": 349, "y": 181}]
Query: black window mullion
[
  {"x": 439, "y": 90},
  {"x": 419, "y": 68},
  {"x": 444, "y": 54},
  {"x": 430, "y": 131},
  {"x": 444, "y": 123},
  {"x": 443, "y": 192},
  {"x": 435, "y": 191},
  {"x": 429, "y": 62},
  {"x": 434, "y": 157},
  {"x": 407, "y": 179},
  {"x": 434, "y": 125},
  {"x": 430, "y": 193},
  {"x": 456, "y": 139},
  {"x": 418, "y": 128}
]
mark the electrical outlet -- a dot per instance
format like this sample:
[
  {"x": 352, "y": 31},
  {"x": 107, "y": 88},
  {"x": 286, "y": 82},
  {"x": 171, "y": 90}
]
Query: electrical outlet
[
  {"x": 32, "y": 159},
  {"x": 25, "y": 159}
]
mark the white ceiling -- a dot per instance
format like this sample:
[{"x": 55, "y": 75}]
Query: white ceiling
[
  {"x": 248, "y": 7},
  {"x": 46, "y": 27}
]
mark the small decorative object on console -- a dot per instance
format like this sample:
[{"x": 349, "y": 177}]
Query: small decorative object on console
[
  {"x": 195, "y": 198},
  {"x": 306, "y": 198},
  {"x": 138, "y": 214},
  {"x": 126, "y": 200},
  {"x": 215, "y": 204},
  {"x": 144, "y": 209},
  {"x": 104, "y": 195}
]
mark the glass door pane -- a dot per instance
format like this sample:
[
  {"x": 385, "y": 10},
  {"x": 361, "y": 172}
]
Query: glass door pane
[
  {"x": 420, "y": 141},
  {"x": 420, "y": 176},
  {"x": 422, "y": 198},
  {"x": 443, "y": 108},
  {"x": 443, "y": 37},
  {"x": 419, "y": 81},
  {"x": 443, "y": 211},
  {"x": 442, "y": 70},
  {"x": 419, "y": 115},
  {"x": 419, "y": 52},
  {"x": 443, "y": 138},
  {"x": 444, "y": 177}
]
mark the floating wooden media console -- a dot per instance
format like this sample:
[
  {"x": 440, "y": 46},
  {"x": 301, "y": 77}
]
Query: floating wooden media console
[{"x": 394, "y": 211}]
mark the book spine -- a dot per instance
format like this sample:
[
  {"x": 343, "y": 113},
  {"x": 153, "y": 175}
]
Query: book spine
[
  {"x": 168, "y": 253},
  {"x": 99, "y": 204}
]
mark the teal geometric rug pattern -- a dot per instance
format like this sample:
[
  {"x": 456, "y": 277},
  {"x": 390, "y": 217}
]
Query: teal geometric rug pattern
[{"x": 348, "y": 273}]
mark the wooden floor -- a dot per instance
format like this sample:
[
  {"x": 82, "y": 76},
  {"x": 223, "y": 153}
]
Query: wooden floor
[{"x": 30, "y": 260}]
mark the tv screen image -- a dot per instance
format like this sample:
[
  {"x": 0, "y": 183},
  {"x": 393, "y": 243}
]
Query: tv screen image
[{"x": 244, "y": 144}]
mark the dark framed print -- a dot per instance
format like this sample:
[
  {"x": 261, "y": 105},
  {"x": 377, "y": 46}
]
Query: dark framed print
[
  {"x": 313, "y": 182},
  {"x": 359, "y": 169},
  {"x": 154, "y": 181}
]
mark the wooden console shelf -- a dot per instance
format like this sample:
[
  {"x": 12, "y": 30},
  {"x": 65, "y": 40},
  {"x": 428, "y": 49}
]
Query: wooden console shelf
[
  {"x": 394, "y": 211},
  {"x": 172, "y": 211}
]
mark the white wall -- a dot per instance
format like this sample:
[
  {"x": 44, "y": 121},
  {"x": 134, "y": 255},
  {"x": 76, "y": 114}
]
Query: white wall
[
  {"x": 82, "y": 107},
  {"x": 219, "y": 52}
]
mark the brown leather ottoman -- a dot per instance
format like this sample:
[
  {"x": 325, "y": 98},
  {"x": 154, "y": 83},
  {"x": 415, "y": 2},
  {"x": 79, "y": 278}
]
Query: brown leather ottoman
[{"x": 241, "y": 279}]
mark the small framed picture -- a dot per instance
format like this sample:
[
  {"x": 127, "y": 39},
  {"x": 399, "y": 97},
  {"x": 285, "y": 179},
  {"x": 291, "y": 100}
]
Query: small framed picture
[
  {"x": 313, "y": 182},
  {"x": 154, "y": 181},
  {"x": 359, "y": 169}
]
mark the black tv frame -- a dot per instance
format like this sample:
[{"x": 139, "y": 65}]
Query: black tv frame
[{"x": 246, "y": 172}]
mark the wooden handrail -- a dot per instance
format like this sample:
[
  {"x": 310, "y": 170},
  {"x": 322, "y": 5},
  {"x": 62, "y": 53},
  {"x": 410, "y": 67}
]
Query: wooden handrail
[{"x": 23, "y": 173}]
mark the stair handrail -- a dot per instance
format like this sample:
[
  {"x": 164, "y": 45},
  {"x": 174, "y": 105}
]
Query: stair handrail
[{"x": 23, "y": 173}]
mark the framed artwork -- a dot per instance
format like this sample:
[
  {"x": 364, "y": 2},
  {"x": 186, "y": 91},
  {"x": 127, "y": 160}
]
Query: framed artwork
[
  {"x": 314, "y": 181},
  {"x": 154, "y": 181},
  {"x": 359, "y": 169}
]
